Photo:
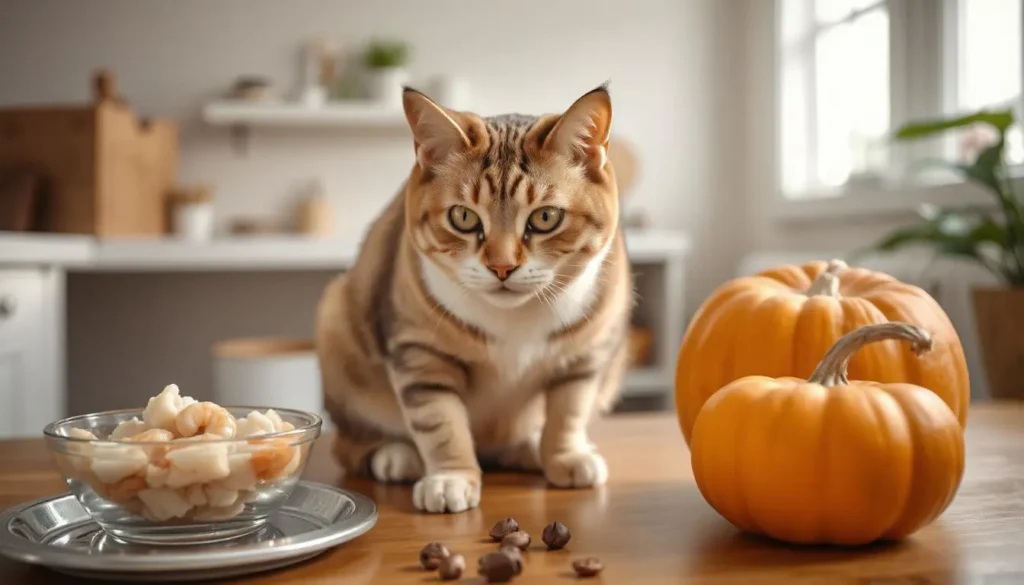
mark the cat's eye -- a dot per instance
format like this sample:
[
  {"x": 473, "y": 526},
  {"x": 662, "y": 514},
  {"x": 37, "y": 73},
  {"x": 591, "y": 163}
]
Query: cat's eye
[
  {"x": 545, "y": 220},
  {"x": 464, "y": 219}
]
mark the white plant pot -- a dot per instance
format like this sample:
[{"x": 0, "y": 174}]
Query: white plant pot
[
  {"x": 385, "y": 85},
  {"x": 193, "y": 221},
  {"x": 267, "y": 372}
]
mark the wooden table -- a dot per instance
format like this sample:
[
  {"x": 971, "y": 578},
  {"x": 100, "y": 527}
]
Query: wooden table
[{"x": 649, "y": 524}]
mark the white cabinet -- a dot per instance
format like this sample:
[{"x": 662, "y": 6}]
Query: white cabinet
[{"x": 31, "y": 350}]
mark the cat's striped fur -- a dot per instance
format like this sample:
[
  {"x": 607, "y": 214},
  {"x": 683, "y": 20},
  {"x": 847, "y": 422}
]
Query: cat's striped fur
[{"x": 440, "y": 349}]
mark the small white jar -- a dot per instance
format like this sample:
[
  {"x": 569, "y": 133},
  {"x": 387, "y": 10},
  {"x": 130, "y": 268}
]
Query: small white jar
[{"x": 192, "y": 214}]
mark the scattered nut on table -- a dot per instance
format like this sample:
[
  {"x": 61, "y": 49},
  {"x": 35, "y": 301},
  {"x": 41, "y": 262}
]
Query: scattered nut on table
[
  {"x": 556, "y": 535},
  {"x": 516, "y": 556},
  {"x": 497, "y": 567},
  {"x": 519, "y": 539},
  {"x": 503, "y": 527},
  {"x": 451, "y": 567},
  {"x": 432, "y": 555},
  {"x": 588, "y": 567}
]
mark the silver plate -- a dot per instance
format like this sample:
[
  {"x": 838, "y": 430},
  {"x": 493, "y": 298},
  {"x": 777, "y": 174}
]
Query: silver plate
[{"x": 57, "y": 533}]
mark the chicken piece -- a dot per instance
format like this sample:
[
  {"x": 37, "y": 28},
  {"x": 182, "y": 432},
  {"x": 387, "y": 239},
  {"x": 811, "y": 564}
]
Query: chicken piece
[
  {"x": 255, "y": 423},
  {"x": 128, "y": 428},
  {"x": 198, "y": 463},
  {"x": 217, "y": 496},
  {"x": 195, "y": 495},
  {"x": 112, "y": 463},
  {"x": 242, "y": 476},
  {"x": 162, "y": 504},
  {"x": 156, "y": 475},
  {"x": 213, "y": 513},
  {"x": 162, "y": 409}
]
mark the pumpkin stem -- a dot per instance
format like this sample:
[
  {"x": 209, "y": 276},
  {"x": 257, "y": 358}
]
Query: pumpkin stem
[
  {"x": 832, "y": 369},
  {"x": 827, "y": 282}
]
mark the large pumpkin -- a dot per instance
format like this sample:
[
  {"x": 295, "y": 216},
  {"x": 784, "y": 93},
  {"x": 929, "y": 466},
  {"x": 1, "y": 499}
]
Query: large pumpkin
[
  {"x": 829, "y": 461},
  {"x": 780, "y": 323}
]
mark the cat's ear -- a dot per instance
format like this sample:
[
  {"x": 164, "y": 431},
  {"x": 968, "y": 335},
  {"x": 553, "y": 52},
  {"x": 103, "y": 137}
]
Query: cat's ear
[
  {"x": 581, "y": 133},
  {"x": 435, "y": 130}
]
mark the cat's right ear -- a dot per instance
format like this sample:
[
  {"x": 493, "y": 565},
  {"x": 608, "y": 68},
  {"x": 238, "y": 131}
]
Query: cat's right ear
[{"x": 436, "y": 132}]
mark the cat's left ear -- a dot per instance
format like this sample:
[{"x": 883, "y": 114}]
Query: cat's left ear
[{"x": 581, "y": 133}]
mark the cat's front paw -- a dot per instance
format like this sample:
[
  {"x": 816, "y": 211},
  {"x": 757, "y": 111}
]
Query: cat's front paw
[
  {"x": 396, "y": 463},
  {"x": 447, "y": 491},
  {"x": 576, "y": 469}
]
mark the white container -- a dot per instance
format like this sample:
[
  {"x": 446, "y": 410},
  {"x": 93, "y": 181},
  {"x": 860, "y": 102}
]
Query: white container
[
  {"x": 385, "y": 85},
  {"x": 450, "y": 92},
  {"x": 268, "y": 372},
  {"x": 193, "y": 221}
]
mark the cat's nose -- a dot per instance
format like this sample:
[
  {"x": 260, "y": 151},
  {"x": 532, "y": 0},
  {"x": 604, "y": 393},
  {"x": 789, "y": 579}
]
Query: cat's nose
[{"x": 502, "y": 271}]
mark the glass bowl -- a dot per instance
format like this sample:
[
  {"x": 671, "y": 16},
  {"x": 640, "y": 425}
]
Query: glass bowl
[{"x": 182, "y": 491}]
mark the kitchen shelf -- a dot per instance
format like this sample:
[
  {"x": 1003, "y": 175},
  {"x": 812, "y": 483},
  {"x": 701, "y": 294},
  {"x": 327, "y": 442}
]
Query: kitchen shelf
[
  {"x": 285, "y": 114},
  {"x": 291, "y": 252}
]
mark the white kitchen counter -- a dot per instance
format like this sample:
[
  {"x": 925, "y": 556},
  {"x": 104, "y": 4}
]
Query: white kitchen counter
[
  {"x": 84, "y": 253},
  {"x": 34, "y": 249}
]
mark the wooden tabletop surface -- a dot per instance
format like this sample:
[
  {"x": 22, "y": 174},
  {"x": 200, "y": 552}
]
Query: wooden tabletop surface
[{"x": 649, "y": 524}]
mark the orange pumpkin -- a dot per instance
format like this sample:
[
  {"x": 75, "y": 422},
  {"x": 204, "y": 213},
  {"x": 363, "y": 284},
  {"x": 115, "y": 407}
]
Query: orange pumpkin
[
  {"x": 827, "y": 461},
  {"x": 780, "y": 322}
]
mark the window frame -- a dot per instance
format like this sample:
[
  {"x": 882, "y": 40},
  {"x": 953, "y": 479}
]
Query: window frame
[{"x": 923, "y": 54}]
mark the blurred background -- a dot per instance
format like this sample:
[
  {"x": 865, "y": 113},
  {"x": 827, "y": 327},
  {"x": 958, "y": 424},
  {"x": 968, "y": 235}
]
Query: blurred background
[{"x": 178, "y": 180}]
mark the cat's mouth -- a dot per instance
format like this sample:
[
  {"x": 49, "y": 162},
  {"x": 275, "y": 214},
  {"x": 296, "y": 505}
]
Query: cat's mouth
[{"x": 503, "y": 296}]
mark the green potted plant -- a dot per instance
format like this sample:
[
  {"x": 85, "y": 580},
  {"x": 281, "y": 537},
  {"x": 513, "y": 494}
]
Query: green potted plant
[
  {"x": 990, "y": 235},
  {"x": 386, "y": 62}
]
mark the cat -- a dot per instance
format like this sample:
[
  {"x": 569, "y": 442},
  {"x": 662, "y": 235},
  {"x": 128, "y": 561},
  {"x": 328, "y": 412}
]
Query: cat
[{"x": 486, "y": 316}]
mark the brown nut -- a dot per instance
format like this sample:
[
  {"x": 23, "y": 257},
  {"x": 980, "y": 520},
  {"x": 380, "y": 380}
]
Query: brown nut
[
  {"x": 452, "y": 567},
  {"x": 503, "y": 527},
  {"x": 432, "y": 555},
  {"x": 588, "y": 567},
  {"x": 497, "y": 567},
  {"x": 556, "y": 535},
  {"x": 514, "y": 554},
  {"x": 519, "y": 539}
]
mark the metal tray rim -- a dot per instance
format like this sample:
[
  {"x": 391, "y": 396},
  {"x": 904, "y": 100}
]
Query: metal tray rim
[{"x": 363, "y": 518}]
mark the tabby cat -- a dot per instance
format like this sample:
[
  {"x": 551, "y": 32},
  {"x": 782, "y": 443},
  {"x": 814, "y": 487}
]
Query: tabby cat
[{"x": 485, "y": 319}]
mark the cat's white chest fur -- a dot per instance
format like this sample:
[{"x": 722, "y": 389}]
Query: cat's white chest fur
[{"x": 520, "y": 334}]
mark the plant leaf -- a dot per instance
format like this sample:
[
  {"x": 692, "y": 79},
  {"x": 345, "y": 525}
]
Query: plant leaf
[{"x": 1000, "y": 120}]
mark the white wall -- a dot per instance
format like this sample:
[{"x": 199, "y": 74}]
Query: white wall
[{"x": 676, "y": 81}]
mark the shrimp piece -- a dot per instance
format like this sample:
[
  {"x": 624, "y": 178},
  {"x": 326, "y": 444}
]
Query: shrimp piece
[
  {"x": 205, "y": 418},
  {"x": 273, "y": 459},
  {"x": 162, "y": 409},
  {"x": 124, "y": 490},
  {"x": 128, "y": 428}
]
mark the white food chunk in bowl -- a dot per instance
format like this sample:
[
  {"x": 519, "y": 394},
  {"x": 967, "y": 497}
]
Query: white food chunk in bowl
[{"x": 142, "y": 481}]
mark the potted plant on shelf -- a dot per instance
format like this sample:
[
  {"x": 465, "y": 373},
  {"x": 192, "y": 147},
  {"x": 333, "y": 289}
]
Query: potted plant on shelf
[
  {"x": 992, "y": 236},
  {"x": 385, "y": 62}
]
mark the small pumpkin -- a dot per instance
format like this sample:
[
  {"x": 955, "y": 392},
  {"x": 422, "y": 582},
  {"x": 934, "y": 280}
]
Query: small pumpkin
[
  {"x": 781, "y": 321},
  {"x": 829, "y": 461}
]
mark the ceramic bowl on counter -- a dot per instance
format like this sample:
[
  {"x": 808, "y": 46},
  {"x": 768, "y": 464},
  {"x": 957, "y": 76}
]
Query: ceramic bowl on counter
[{"x": 161, "y": 481}]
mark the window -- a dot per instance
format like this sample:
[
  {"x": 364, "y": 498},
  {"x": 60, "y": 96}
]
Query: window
[
  {"x": 988, "y": 69},
  {"x": 851, "y": 70}
]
